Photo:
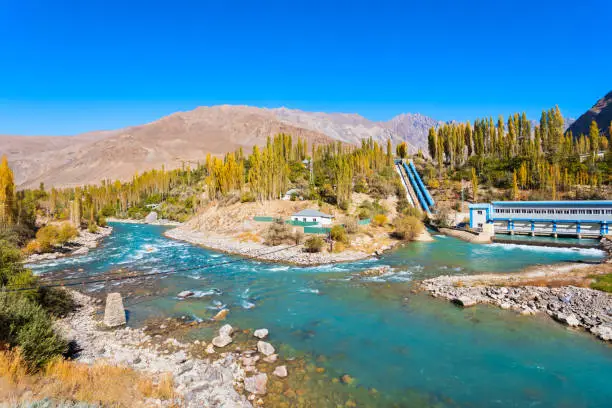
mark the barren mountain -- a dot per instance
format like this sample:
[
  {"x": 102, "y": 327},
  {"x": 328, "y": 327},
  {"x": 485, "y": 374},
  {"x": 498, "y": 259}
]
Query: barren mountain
[
  {"x": 187, "y": 137},
  {"x": 601, "y": 113},
  {"x": 170, "y": 141}
]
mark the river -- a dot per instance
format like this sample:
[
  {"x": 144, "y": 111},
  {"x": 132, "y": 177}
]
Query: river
[{"x": 402, "y": 348}]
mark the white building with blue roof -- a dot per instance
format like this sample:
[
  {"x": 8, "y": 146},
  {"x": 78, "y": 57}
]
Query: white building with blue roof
[{"x": 574, "y": 218}]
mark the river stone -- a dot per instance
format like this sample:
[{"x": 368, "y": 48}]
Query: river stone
[
  {"x": 464, "y": 301},
  {"x": 603, "y": 332},
  {"x": 81, "y": 251},
  {"x": 280, "y": 371},
  {"x": 151, "y": 217},
  {"x": 114, "y": 314},
  {"x": 221, "y": 315},
  {"x": 226, "y": 330},
  {"x": 221, "y": 341},
  {"x": 570, "y": 319},
  {"x": 256, "y": 384},
  {"x": 265, "y": 348},
  {"x": 185, "y": 294},
  {"x": 261, "y": 333},
  {"x": 271, "y": 358}
]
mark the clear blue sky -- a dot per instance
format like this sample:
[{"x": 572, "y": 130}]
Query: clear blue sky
[{"x": 73, "y": 66}]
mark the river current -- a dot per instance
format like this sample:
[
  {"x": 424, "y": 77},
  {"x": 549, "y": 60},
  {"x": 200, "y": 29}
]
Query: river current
[{"x": 402, "y": 348}]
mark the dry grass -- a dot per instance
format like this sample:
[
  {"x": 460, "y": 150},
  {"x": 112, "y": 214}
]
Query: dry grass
[
  {"x": 12, "y": 366},
  {"x": 248, "y": 236},
  {"x": 102, "y": 383}
]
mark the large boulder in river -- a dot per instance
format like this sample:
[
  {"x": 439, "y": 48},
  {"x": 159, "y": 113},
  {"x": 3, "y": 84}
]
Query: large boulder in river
[
  {"x": 151, "y": 217},
  {"x": 114, "y": 314}
]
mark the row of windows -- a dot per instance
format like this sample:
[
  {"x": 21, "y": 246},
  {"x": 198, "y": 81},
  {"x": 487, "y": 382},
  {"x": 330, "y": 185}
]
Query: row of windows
[{"x": 550, "y": 211}]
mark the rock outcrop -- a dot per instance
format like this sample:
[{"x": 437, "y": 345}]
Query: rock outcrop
[{"x": 573, "y": 306}]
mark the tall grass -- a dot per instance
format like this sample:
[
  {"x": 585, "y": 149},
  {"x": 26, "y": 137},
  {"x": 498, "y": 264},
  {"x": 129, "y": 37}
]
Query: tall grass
[{"x": 101, "y": 384}]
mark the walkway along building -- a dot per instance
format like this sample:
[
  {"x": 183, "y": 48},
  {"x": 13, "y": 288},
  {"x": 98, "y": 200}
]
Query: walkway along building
[{"x": 567, "y": 218}]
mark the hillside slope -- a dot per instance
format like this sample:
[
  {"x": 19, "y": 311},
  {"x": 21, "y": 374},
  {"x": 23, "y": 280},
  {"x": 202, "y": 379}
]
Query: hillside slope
[
  {"x": 601, "y": 113},
  {"x": 187, "y": 137},
  {"x": 170, "y": 141}
]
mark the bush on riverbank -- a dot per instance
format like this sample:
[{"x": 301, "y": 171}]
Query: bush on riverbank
[
  {"x": 314, "y": 244},
  {"x": 25, "y": 324},
  {"x": 51, "y": 236},
  {"x": 25, "y": 316},
  {"x": 602, "y": 282},
  {"x": 407, "y": 227}
]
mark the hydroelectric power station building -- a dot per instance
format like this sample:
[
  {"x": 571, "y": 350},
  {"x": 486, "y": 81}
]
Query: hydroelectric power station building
[{"x": 556, "y": 218}]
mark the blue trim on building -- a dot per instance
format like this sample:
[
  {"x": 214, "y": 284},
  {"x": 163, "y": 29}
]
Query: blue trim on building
[
  {"x": 585, "y": 203},
  {"x": 550, "y": 220}
]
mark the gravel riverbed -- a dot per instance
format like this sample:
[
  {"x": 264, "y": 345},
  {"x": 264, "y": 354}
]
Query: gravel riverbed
[
  {"x": 227, "y": 377},
  {"x": 287, "y": 254}
]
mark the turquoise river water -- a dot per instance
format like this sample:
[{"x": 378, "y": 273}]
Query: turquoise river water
[{"x": 412, "y": 349}]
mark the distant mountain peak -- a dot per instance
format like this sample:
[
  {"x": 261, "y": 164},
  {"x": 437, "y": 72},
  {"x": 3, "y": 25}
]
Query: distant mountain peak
[{"x": 601, "y": 113}]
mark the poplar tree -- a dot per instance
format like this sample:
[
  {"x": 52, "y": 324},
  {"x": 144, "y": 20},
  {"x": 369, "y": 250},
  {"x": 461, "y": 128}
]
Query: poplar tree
[
  {"x": 7, "y": 193},
  {"x": 474, "y": 185}
]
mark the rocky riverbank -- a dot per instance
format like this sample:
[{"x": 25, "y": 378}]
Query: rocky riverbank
[
  {"x": 221, "y": 373},
  {"x": 76, "y": 246},
  {"x": 287, "y": 254},
  {"x": 579, "y": 307}
]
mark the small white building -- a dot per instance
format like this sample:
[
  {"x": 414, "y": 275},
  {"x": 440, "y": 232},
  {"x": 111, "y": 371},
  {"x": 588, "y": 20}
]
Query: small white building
[
  {"x": 309, "y": 215},
  {"x": 290, "y": 193}
]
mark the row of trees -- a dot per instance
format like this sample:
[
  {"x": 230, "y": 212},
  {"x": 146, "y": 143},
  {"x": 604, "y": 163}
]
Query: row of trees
[
  {"x": 330, "y": 172},
  {"x": 505, "y": 153}
]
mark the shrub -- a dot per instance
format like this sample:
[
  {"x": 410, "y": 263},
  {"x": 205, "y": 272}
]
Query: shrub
[
  {"x": 247, "y": 197},
  {"x": 351, "y": 225},
  {"x": 92, "y": 227},
  {"x": 363, "y": 213},
  {"x": 603, "y": 283},
  {"x": 57, "y": 302},
  {"x": 26, "y": 325},
  {"x": 338, "y": 234},
  {"x": 66, "y": 232},
  {"x": 298, "y": 237},
  {"x": 379, "y": 220},
  {"x": 278, "y": 233},
  {"x": 407, "y": 227},
  {"x": 32, "y": 247},
  {"x": 339, "y": 247},
  {"x": 102, "y": 221},
  {"x": 314, "y": 244},
  {"x": 47, "y": 237}
]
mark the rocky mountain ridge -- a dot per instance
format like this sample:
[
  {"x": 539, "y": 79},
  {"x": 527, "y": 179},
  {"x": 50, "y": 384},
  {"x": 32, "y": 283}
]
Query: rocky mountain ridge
[{"x": 185, "y": 137}]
